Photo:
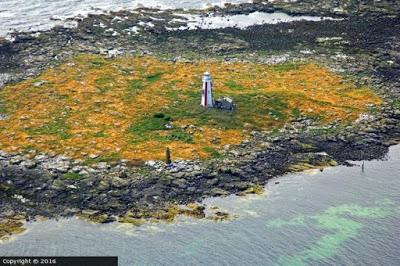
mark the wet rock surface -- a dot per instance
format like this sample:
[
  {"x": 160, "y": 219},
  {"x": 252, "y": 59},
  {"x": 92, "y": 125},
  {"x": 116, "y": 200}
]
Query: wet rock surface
[{"x": 363, "y": 46}]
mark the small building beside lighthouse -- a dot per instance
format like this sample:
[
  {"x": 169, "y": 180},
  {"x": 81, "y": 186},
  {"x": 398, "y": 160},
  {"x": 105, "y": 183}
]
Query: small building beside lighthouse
[{"x": 207, "y": 91}]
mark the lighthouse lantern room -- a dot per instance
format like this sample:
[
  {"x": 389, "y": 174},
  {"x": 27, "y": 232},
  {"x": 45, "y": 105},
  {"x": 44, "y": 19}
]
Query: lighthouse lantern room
[{"x": 207, "y": 90}]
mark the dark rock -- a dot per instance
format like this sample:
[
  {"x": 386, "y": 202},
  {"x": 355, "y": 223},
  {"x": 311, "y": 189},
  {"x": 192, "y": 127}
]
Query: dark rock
[{"x": 225, "y": 103}]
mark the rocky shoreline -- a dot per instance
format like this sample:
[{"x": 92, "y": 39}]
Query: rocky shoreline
[{"x": 362, "y": 47}]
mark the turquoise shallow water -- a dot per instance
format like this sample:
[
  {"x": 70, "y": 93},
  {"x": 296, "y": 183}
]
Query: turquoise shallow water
[{"x": 342, "y": 216}]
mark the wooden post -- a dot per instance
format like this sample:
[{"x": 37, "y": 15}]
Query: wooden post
[{"x": 168, "y": 156}]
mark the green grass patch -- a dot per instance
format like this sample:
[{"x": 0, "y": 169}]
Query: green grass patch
[
  {"x": 180, "y": 135},
  {"x": 190, "y": 108},
  {"x": 57, "y": 127},
  {"x": 213, "y": 152},
  {"x": 105, "y": 83},
  {"x": 234, "y": 85},
  {"x": 73, "y": 176},
  {"x": 296, "y": 113},
  {"x": 274, "y": 132},
  {"x": 266, "y": 104},
  {"x": 62, "y": 97},
  {"x": 396, "y": 104},
  {"x": 100, "y": 134},
  {"x": 277, "y": 115},
  {"x": 154, "y": 127},
  {"x": 134, "y": 87},
  {"x": 154, "y": 77},
  {"x": 277, "y": 107},
  {"x": 97, "y": 62},
  {"x": 3, "y": 108},
  {"x": 287, "y": 66},
  {"x": 154, "y": 123},
  {"x": 126, "y": 71},
  {"x": 105, "y": 80},
  {"x": 3, "y": 103},
  {"x": 219, "y": 118},
  {"x": 161, "y": 116},
  {"x": 107, "y": 158}
]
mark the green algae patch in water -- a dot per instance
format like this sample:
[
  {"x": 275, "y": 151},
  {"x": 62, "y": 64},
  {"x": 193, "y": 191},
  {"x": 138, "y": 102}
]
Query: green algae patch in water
[
  {"x": 340, "y": 221},
  {"x": 9, "y": 227}
]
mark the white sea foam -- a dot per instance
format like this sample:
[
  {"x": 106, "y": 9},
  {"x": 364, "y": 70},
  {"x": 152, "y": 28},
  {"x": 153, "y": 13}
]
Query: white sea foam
[{"x": 240, "y": 21}]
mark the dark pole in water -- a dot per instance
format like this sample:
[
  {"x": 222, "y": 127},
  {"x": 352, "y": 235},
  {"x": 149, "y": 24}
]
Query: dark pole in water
[{"x": 362, "y": 167}]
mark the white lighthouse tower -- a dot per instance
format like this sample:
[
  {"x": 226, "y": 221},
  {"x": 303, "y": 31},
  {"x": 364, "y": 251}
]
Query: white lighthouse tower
[{"x": 206, "y": 93}]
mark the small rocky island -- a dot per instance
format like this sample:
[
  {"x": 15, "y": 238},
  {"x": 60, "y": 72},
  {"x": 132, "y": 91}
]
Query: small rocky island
[{"x": 87, "y": 113}]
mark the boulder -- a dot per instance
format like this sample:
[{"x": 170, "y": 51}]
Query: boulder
[{"x": 225, "y": 103}]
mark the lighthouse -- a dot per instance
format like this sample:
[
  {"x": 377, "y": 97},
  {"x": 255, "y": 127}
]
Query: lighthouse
[{"x": 207, "y": 90}]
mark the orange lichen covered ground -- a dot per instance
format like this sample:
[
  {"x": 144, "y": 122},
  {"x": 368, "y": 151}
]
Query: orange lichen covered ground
[{"x": 118, "y": 108}]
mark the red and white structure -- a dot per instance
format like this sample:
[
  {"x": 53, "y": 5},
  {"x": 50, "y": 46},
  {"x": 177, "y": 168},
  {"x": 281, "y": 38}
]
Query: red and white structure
[{"x": 207, "y": 91}]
